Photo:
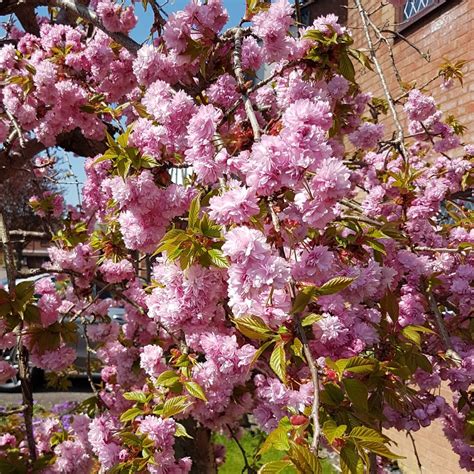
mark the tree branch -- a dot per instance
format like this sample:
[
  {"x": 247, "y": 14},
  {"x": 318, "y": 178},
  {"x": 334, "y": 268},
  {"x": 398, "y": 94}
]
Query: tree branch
[
  {"x": 313, "y": 369},
  {"x": 391, "y": 104},
  {"x": 241, "y": 82},
  {"x": 91, "y": 16},
  {"x": 443, "y": 332}
]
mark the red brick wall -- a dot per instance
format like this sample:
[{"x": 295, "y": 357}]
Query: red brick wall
[
  {"x": 446, "y": 33},
  {"x": 434, "y": 451}
]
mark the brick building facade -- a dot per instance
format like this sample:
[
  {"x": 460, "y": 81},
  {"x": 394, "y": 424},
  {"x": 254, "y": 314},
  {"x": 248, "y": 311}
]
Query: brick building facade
[
  {"x": 444, "y": 29},
  {"x": 441, "y": 28}
]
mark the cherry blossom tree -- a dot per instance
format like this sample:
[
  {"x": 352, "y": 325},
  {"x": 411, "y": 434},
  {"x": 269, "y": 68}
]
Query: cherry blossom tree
[{"x": 291, "y": 252}]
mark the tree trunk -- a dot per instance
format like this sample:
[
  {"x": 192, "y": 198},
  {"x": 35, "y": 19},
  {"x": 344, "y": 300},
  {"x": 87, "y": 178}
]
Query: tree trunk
[
  {"x": 24, "y": 371},
  {"x": 200, "y": 449}
]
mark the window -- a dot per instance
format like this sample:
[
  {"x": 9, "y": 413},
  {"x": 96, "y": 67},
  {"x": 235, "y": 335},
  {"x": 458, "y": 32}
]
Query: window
[
  {"x": 413, "y": 10},
  {"x": 311, "y": 9},
  {"x": 413, "y": 7}
]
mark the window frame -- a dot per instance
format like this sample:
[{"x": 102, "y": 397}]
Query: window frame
[{"x": 403, "y": 25}]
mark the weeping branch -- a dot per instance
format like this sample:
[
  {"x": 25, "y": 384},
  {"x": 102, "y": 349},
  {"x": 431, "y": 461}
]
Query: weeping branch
[{"x": 313, "y": 368}]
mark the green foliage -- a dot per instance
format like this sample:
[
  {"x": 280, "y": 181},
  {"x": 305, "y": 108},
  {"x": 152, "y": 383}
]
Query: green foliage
[
  {"x": 200, "y": 243},
  {"x": 278, "y": 361},
  {"x": 253, "y": 327},
  {"x": 195, "y": 390},
  {"x": 270, "y": 462},
  {"x": 125, "y": 158},
  {"x": 72, "y": 234},
  {"x": 308, "y": 293}
]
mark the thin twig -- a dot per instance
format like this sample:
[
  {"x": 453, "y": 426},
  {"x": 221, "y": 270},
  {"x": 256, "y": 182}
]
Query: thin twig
[
  {"x": 88, "y": 365},
  {"x": 385, "y": 40},
  {"x": 383, "y": 81},
  {"x": 247, "y": 466},
  {"x": 364, "y": 219},
  {"x": 415, "y": 450},
  {"x": 17, "y": 128},
  {"x": 259, "y": 85},
  {"x": 426, "y": 84},
  {"x": 425, "y": 56},
  {"x": 440, "y": 249},
  {"x": 443, "y": 332},
  {"x": 14, "y": 411},
  {"x": 237, "y": 60}
]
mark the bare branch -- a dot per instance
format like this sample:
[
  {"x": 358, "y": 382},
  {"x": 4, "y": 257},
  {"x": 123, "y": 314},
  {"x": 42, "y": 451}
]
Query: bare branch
[
  {"x": 14, "y": 411},
  {"x": 29, "y": 233},
  {"x": 415, "y": 450},
  {"x": 391, "y": 104}
]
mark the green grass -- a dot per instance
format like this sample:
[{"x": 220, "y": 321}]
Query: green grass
[{"x": 250, "y": 442}]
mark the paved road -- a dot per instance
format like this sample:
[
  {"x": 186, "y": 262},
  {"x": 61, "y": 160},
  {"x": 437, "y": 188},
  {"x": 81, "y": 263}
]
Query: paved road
[{"x": 78, "y": 392}]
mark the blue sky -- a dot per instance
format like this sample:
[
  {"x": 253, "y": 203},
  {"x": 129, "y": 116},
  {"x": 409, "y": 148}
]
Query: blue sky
[{"x": 235, "y": 8}]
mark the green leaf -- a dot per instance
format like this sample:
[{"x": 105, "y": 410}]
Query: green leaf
[
  {"x": 311, "y": 319},
  {"x": 195, "y": 390},
  {"x": 253, "y": 327},
  {"x": 175, "y": 405},
  {"x": 4, "y": 296},
  {"x": 412, "y": 333},
  {"x": 357, "y": 364},
  {"x": 302, "y": 299},
  {"x": 130, "y": 414},
  {"x": 346, "y": 67},
  {"x": 130, "y": 439},
  {"x": 260, "y": 351},
  {"x": 274, "y": 467},
  {"x": 378, "y": 448},
  {"x": 88, "y": 406},
  {"x": 277, "y": 439},
  {"x": 304, "y": 460},
  {"x": 376, "y": 245},
  {"x": 362, "y": 58},
  {"x": 365, "y": 433},
  {"x": 218, "y": 258},
  {"x": 5, "y": 309},
  {"x": 31, "y": 314},
  {"x": 181, "y": 431},
  {"x": 350, "y": 461},
  {"x": 333, "y": 286},
  {"x": 357, "y": 393},
  {"x": 167, "y": 378},
  {"x": 278, "y": 361},
  {"x": 332, "y": 431},
  {"x": 24, "y": 291},
  {"x": 297, "y": 348},
  {"x": 194, "y": 208},
  {"x": 389, "y": 305},
  {"x": 332, "y": 394},
  {"x": 140, "y": 397}
]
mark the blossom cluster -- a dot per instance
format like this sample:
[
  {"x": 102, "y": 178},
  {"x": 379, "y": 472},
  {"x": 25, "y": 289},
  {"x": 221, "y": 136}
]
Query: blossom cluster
[{"x": 286, "y": 196}]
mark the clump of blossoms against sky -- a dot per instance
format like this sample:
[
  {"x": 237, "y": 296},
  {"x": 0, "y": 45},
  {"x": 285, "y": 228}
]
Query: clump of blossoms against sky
[{"x": 304, "y": 273}]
